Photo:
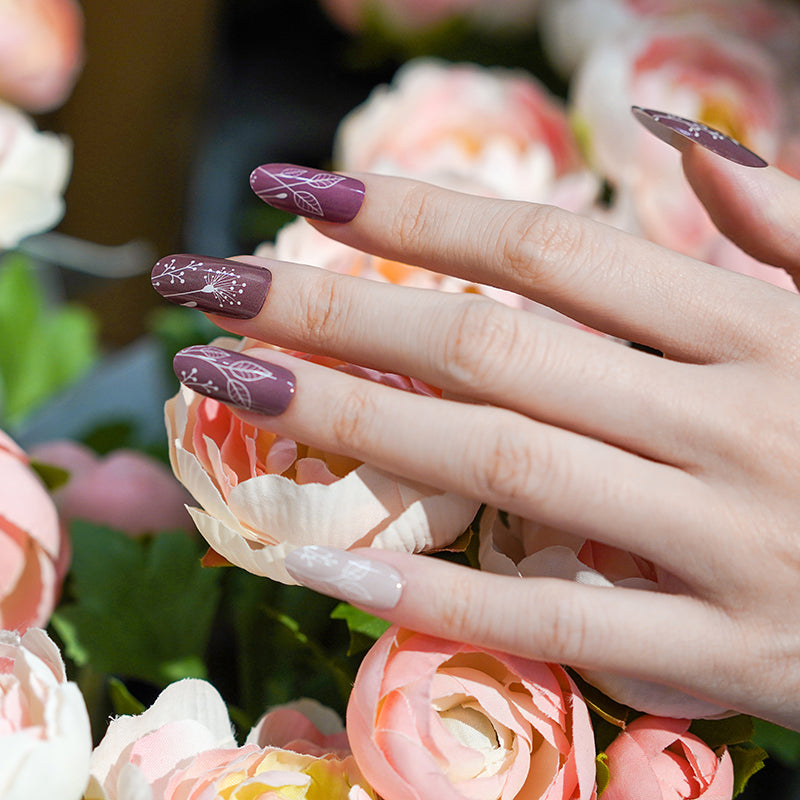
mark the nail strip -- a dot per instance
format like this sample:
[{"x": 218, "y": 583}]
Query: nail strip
[
  {"x": 346, "y": 576},
  {"x": 309, "y": 192},
  {"x": 216, "y": 285},
  {"x": 235, "y": 378},
  {"x": 675, "y": 130}
]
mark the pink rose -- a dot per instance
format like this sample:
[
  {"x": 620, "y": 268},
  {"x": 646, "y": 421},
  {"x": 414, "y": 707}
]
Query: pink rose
[
  {"x": 34, "y": 552},
  {"x": 262, "y": 495},
  {"x": 655, "y": 758},
  {"x": 428, "y": 718},
  {"x": 125, "y": 489},
  {"x": 34, "y": 168},
  {"x": 414, "y": 15},
  {"x": 570, "y": 28},
  {"x": 484, "y": 130},
  {"x": 510, "y": 545},
  {"x": 45, "y": 740},
  {"x": 700, "y": 73},
  {"x": 41, "y": 51},
  {"x": 182, "y": 748}
]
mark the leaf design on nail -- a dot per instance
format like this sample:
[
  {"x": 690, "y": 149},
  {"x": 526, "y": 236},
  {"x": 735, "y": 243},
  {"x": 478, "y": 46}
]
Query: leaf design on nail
[
  {"x": 249, "y": 371},
  {"x": 306, "y": 201},
  {"x": 323, "y": 181},
  {"x": 239, "y": 393}
]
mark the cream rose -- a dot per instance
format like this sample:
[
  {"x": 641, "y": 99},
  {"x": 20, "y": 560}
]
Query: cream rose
[
  {"x": 45, "y": 740},
  {"x": 263, "y": 495},
  {"x": 34, "y": 168}
]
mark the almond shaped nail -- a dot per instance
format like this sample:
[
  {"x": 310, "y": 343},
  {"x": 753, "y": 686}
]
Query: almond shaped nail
[
  {"x": 309, "y": 192},
  {"x": 235, "y": 378},
  {"x": 674, "y": 130},
  {"x": 215, "y": 285}
]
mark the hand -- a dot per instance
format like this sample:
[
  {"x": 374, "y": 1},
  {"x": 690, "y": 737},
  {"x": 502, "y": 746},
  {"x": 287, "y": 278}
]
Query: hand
[{"x": 691, "y": 461}]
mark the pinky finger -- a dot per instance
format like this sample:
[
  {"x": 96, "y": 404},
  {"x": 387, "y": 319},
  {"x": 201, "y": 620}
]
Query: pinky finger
[{"x": 627, "y": 632}]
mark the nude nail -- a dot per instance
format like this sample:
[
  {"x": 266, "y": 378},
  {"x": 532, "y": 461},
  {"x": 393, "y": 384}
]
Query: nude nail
[
  {"x": 675, "y": 131},
  {"x": 216, "y": 285},
  {"x": 235, "y": 378},
  {"x": 311, "y": 193},
  {"x": 346, "y": 576}
]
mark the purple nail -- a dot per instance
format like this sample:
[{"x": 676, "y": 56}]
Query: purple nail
[
  {"x": 346, "y": 576},
  {"x": 676, "y": 130},
  {"x": 216, "y": 285},
  {"x": 309, "y": 192},
  {"x": 235, "y": 378}
]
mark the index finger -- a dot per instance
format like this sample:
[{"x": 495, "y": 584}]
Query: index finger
[{"x": 600, "y": 276}]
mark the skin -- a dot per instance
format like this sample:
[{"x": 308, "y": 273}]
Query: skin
[{"x": 691, "y": 461}]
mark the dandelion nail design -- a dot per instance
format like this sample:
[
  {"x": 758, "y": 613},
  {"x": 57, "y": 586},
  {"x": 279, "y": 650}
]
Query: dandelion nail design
[
  {"x": 346, "y": 576},
  {"x": 217, "y": 285},
  {"x": 309, "y": 192},
  {"x": 235, "y": 378},
  {"x": 667, "y": 126}
]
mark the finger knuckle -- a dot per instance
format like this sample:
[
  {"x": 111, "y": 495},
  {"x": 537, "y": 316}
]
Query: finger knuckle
[
  {"x": 352, "y": 419},
  {"x": 543, "y": 242},
  {"x": 563, "y": 634},
  {"x": 325, "y": 309},
  {"x": 415, "y": 218},
  {"x": 480, "y": 342},
  {"x": 512, "y": 467}
]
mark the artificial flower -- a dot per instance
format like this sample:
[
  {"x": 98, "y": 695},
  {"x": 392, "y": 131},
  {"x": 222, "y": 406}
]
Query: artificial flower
[
  {"x": 108, "y": 490},
  {"x": 430, "y": 718},
  {"x": 262, "y": 495},
  {"x": 34, "y": 168},
  {"x": 45, "y": 740},
  {"x": 656, "y": 758},
  {"x": 34, "y": 552},
  {"x": 41, "y": 51}
]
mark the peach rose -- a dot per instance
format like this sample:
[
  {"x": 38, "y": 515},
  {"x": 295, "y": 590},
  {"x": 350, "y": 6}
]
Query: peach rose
[
  {"x": 655, "y": 758},
  {"x": 416, "y": 15},
  {"x": 489, "y": 131},
  {"x": 41, "y": 51},
  {"x": 45, "y": 740},
  {"x": 510, "y": 545},
  {"x": 110, "y": 490},
  {"x": 182, "y": 748},
  {"x": 700, "y": 73},
  {"x": 262, "y": 495},
  {"x": 428, "y": 718},
  {"x": 34, "y": 552},
  {"x": 34, "y": 168}
]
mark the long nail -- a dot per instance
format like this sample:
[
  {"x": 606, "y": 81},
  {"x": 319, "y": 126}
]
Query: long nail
[
  {"x": 346, "y": 576},
  {"x": 216, "y": 285},
  {"x": 676, "y": 131},
  {"x": 309, "y": 192},
  {"x": 235, "y": 378}
]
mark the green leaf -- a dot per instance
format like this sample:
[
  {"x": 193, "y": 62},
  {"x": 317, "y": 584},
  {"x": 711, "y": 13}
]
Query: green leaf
[
  {"x": 747, "y": 759},
  {"x": 359, "y": 621},
  {"x": 53, "y": 347},
  {"x": 718, "y": 733},
  {"x": 124, "y": 703},
  {"x": 53, "y": 477},
  {"x": 602, "y": 772},
  {"x": 140, "y": 608},
  {"x": 779, "y": 742}
]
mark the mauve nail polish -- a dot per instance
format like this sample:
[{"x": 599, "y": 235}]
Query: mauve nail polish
[
  {"x": 216, "y": 285},
  {"x": 235, "y": 378},
  {"x": 311, "y": 193},
  {"x": 672, "y": 129}
]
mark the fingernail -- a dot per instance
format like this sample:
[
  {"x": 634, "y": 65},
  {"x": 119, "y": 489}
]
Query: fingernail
[
  {"x": 676, "y": 130},
  {"x": 346, "y": 576},
  {"x": 309, "y": 192},
  {"x": 235, "y": 378},
  {"x": 216, "y": 285}
]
